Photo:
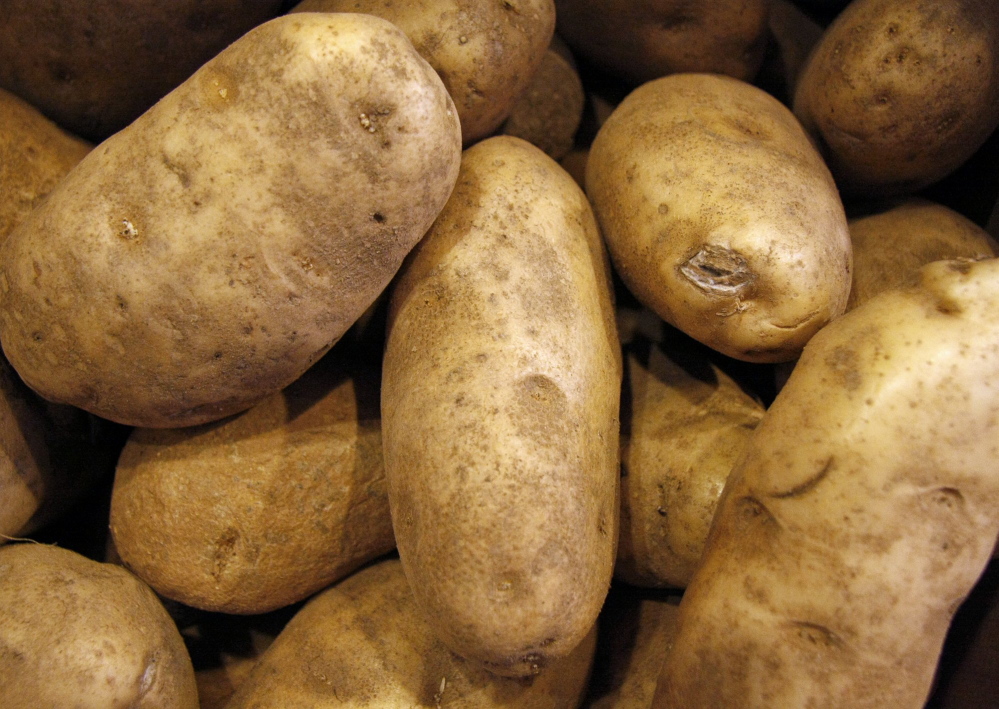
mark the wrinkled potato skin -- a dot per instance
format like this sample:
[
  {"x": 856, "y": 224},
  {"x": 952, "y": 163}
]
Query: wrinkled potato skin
[
  {"x": 365, "y": 643},
  {"x": 720, "y": 215},
  {"x": 865, "y": 508},
  {"x": 485, "y": 52},
  {"x": 646, "y": 39},
  {"x": 259, "y": 511},
  {"x": 93, "y": 66},
  {"x": 206, "y": 256},
  {"x": 900, "y": 93},
  {"x": 500, "y": 400},
  {"x": 78, "y": 633}
]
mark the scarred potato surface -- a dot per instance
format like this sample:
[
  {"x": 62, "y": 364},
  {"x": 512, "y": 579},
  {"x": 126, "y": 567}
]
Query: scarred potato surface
[{"x": 207, "y": 255}]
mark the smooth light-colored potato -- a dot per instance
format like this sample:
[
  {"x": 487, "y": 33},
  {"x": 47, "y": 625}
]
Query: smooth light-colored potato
[
  {"x": 720, "y": 215},
  {"x": 500, "y": 399},
  {"x": 366, "y": 643},
  {"x": 78, "y": 633},
  {"x": 206, "y": 256},
  {"x": 486, "y": 51},
  {"x": 899, "y": 93},
  {"x": 864, "y": 510}
]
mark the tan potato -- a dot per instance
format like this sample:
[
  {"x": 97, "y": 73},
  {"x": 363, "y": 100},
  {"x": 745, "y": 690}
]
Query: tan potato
[
  {"x": 93, "y": 66},
  {"x": 262, "y": 510},
  {"x": 720, "y": 215},
  {"x": 365, "y": 643},
  {"x": 500, "y": 399},
  {"x": 899, "y": 93},
  {"x": 865, "y": 509},
  {"x": 641, "y": 41},
  {"x": 486, "y": 51},
  {"x": 206, "y": 256},
  {"x": 78, "y": 633}
]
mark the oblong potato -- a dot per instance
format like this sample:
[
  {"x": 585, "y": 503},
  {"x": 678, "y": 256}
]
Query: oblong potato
[
  {"x": 204, "y": 257},
  {"x": 720, "y": 215},
  {"x": 500, "y": 400}
]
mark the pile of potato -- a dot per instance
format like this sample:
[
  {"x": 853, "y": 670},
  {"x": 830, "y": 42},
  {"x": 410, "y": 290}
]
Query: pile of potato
[{"x": 499, "y": 353}]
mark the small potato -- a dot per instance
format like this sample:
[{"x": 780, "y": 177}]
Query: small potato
[
  {"x": 366, "y": 643},
  {"x": 203, "y": 258},
  {"x": 720, "y": 215},
  {"x": 78, "y": 633}
]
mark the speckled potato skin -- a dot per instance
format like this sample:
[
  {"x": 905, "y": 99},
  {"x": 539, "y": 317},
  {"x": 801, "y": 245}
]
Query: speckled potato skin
[
  {"x": 900, "y": 92},
  {"x": 641, "y": 41},
  {"x": 864, "y": 511},
  {"x": 485, "y": 51},
  {"x": 259, "y": 511},
  {"x": 206, "y": 256},
  {"x": 500, "y": 402},
  {"x": 365, "y": 643},
  {"x": 79, "y": 633},
  {"x": 720, "y": 215}
]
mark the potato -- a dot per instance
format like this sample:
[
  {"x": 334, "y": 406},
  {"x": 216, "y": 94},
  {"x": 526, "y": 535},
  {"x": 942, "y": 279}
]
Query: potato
[
  {"x": 899, "y": 93},
  {"x": 720, "y": 216},
  {"x": 864, "y": 510},
  {"x": 264, "y": 509},
  {"x": 203, "y": 258},
  {"x": 486, "y": 52},
  {"x": 93, "y": 66},
  {"x": 365, "y": 643},
  {"x": 500, "y": 399},
  {"x": 78, "y": 633},
  {"x": 641, "y": 41}
]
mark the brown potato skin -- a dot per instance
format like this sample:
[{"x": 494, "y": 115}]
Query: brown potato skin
[
  {"x": 93, "y": 66},
  {"x": 78, "y": 633},
  {"x": 500, "y": 400},
  {"x": 899, "y": 93},
  {"x": 200, "y": 260}
]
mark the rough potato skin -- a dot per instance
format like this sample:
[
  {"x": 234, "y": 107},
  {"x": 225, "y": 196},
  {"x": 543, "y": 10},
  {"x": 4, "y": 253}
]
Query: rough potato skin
[
  {"x": 78, "y": 633},
  {"x": 899, "y": 93},
  {"x": 500, "y": 400},
  {"x": 206, "y": 256},
  {"x": 863, "y": 512},
  {"x": 365, "y": 643},
  {"x": 720, "y": 215}
]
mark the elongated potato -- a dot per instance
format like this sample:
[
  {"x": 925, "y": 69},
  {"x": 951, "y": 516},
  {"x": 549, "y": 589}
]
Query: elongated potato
[
  {"x": 206, "y": 256},
  {"x": 500, "y": 399},
  {"x": 366, "y": 643},
  {"x": 865, "y": 509},
  {"x": 720, "y": 215}
]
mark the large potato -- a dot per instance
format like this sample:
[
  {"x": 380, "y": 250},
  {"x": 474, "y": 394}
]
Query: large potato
[
  {"x": 206, "y": 256},
  {"x": 500, "y": 400},
  {"x": 720, "y": 215}
]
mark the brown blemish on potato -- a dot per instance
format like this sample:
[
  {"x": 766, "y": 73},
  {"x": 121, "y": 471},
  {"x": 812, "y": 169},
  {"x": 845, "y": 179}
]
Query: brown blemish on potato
[
  {"x": 225, "y": 548},
  {"x": 809, "y": 484},
  {"x": 718, "y": 271},
  {"x": 815, "y": 634},
  {"x": 845, "y": 366}
]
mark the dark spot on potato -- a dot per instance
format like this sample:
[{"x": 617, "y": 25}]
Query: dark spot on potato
[
  {"x": 121, "y": 303},
  {"x": 225, "y": 547},
  {"x": 217, "y": 356},
  {"x": 844, "y": 364},
  {"x": 378, "y": 217},
  {"x": 815, "y": 634}
]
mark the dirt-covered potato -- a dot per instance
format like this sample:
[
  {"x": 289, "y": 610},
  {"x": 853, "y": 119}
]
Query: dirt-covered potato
[
  {"x": 500, "y": 399},
  {"x": 486, "y": 51},
  {"x": 720, "y": 215},
  {"x": 261, "y": 510},
  {"x": 204, "y": 257},
  {"x": 900, "y": 92},
  {"x": 641, "y": 41},
  {"x": 864, "y": 510},
  {"x": 93, "y": 66},
  {"x": 78, "y": 633},
  {"x": 366, "y": 643}
]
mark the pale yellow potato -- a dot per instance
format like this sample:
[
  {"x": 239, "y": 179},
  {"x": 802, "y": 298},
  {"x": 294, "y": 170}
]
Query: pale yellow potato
[
  {"x": 500, "y": 399},
  {"x": 899, "y": 93},
  {"x": 720, "y": 215},
  {"x": 264, "y": 509},
  {"x": 79, "y": 633},
  {"x": 864, "y": 510},
  {"x": 366, "y": 643},
  {"x": 204, "y": 257},
  {"x": 486, "y": 51}
]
